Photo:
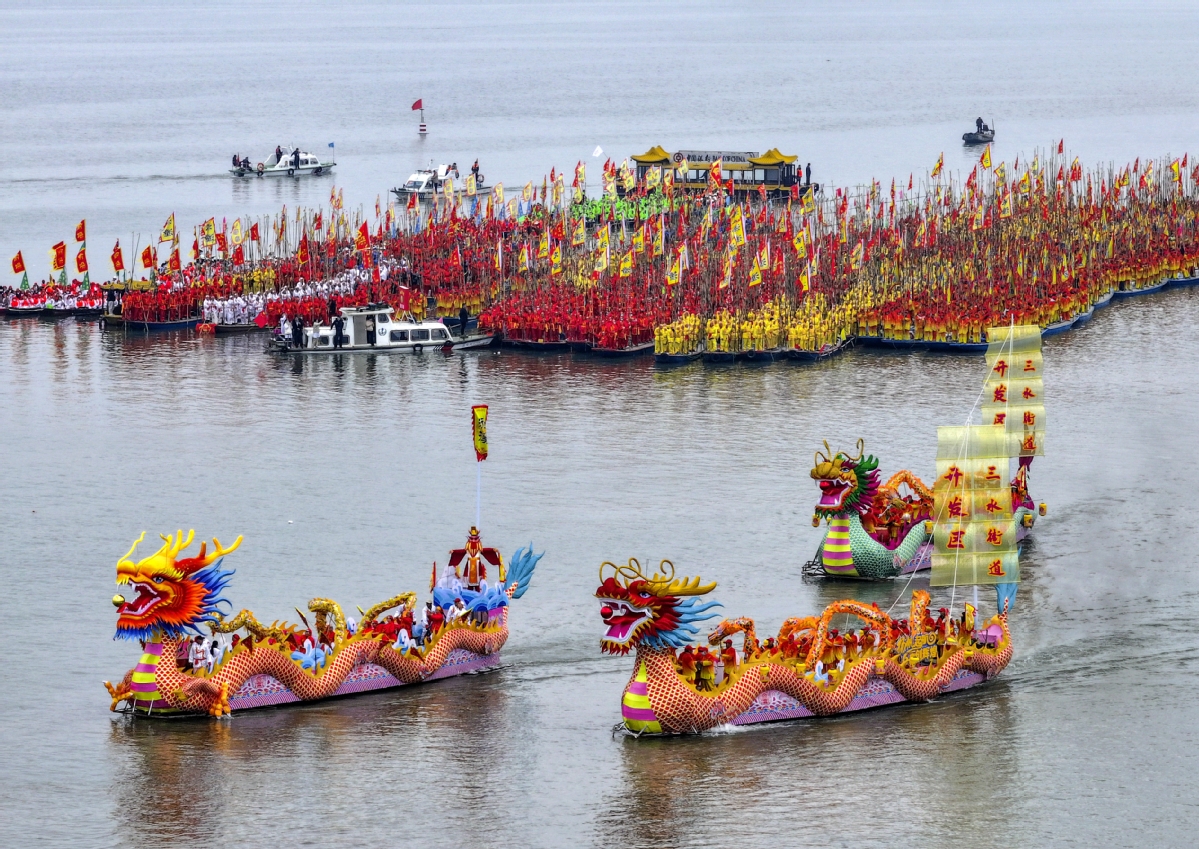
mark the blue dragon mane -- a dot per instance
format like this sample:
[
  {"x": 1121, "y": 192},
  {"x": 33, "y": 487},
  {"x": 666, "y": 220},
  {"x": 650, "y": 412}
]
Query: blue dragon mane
[
  {"x": 690, "y": 612},
  {"x": 520, "y": 573}
]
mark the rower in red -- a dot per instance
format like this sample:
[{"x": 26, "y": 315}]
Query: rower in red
[{"x": 470, "y": 563}]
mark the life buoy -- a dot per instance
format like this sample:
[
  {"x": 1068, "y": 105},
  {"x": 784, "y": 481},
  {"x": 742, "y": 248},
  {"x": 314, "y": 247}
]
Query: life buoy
[
  {"x": 417, "y": 349},
  {"x": 318, "y": 170},
  {"x": 291, "y": 172},
  {"x": 260, "y": 169}
]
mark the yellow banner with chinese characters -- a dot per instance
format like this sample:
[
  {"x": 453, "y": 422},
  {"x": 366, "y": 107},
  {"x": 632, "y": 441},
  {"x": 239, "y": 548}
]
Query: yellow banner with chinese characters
[{"x": 478, "y": 421}]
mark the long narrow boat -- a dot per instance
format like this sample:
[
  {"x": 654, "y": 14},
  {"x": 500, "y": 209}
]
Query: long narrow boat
[
  {"x": 161, "y": 326},
  {"x": 244, "y": 664},
  {"x": 1131, "y": 291},
  {"x": 880, "y": 530},
  {"x": 808, "y": 670}
]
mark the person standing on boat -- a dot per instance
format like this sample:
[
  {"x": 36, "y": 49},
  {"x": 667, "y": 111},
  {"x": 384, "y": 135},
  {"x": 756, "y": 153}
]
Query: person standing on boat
[
  {"x": 463, "y": 318},
  {"x": 278, "y": 154},
  {"x": 338, "y": 324},
  {"x": 285, "y": 327},
  {"x": 297, "y": 331},
  {"x": 808, "y": 175},
  {"x": 978, "y": 124},
  {"x": 370, "y": 330}
]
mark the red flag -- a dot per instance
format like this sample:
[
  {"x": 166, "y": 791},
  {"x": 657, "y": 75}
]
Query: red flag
[
  {"x": 222, "y": 244},
  {"x": 147, "y": 258},
  {"x": 254, "y": 233},
  {"x": 81, "y": 231},
  {"x": 59, "y": 260},
  {"x": 362, "y": 240},
  {"x": 302, "y": 253},
  {"x": 81, "y": 261},
  {"x": 18, "y": 264},
  {"x": 1061, "y": 146},
  {"x": 174, "y": 264},
  {"x": 118, "y": 258},
  {"x": 420, "y": 104},
  {"x": 239, "y": 256}
]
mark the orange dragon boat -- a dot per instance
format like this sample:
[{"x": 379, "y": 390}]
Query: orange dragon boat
[{"x": 242, "y": 664}]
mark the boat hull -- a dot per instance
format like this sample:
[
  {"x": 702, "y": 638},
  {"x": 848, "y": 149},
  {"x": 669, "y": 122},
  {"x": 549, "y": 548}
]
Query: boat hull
[
  {"x": 161, "y": 326},
  {"x": 616, "y": 353},
  {"x": 677, "y": 359},
  {"x": 233, "y": 329},
  {"x": 979, "y": 138}
]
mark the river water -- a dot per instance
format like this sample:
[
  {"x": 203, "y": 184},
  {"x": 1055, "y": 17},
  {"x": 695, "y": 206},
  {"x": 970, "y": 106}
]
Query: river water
[{"x": 349, "y": 478}]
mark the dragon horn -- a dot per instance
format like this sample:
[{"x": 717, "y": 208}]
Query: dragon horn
[
  {"x": 861, "y": 449},
  {"x": 667, "y": 584},
  {"x": 219, "y": 550},
  {"x": 827, "y": 455},
  {"x": 132, "y": 549}
]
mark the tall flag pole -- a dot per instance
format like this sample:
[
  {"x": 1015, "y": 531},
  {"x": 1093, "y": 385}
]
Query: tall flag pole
[{"x": 478, "y": 422}]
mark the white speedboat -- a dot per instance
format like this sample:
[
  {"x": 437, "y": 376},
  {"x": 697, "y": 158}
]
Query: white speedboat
[
  {"x": 376, "y": 329},
  {"x": 429, "y": 182},
  {"x": 284, "y": 163}
]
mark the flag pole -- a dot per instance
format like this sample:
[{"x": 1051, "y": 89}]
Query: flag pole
[{"x": 478, "y": 492}]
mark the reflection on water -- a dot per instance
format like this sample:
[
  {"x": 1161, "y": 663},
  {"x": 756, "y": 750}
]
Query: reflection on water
[{"x": 349, "y": 476}]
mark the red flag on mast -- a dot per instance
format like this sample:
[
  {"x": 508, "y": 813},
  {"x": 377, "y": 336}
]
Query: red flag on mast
[{"x": 420, "y": 104}]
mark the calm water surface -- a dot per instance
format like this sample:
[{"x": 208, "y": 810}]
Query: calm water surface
[{"x": 349, "y": 478}]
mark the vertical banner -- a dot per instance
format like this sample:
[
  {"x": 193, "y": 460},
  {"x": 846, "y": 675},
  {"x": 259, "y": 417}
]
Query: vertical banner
[{"x": 478, "y": 420}]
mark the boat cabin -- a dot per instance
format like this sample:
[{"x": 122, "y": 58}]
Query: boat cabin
[
  {"x": 775, "y": 171},
  {"x": 376, "y": 327}
]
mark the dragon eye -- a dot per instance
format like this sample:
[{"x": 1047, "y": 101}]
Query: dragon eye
[{"x": 158, "y": 579}]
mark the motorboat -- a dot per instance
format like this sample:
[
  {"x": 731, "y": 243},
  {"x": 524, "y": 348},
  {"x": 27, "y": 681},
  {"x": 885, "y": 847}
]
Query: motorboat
[
  {"x": 428, "y": 182},
  {"x": 377, "y": 329},
  {"x": 984, "y": 136},
  {"x": 284, "y": 163}
]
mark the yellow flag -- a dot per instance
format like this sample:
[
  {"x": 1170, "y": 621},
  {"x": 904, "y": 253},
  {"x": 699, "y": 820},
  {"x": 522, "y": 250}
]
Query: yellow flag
[
  {"x": 1005, "y": 207},
  {"x": 985, "y": 159},
  {"x": 805, "y": 280},
  {"x": 638, "y": 241},
  {"x": 728, "y": 270},
  {"x": 653, "y": 177},
  {"x": 809, "y": 203},
  {"x": 672, "y": 274},
  {"x": 801, "y": 244},
  {"x": 659, "y": 241},
  {"x": 556, "y": 260},
  {"x": 579, "y": 235},
  {"x": 497, "y": 194},
  {"x": 626, "y": 265},
  {"x": 681, "y": 169},
  {"x": 236, "y": 234},
  {"x": 940, "y": 164},
  {"x": 524, "y": 257},
  {"x": 736, "y": 228},
  {"x": 755, "y": 274},
  {"x": 543, "y": 247},
  {"x": 470, "y": 185},
  {"x": 208, "y": 229},
  {"x": 478, "y": 422},
  {"x": 527, "y": 193},
  {"x": 855, "y": 260},
  {"x": 447, "y": 190},
  {"x": 1000, "y": 173},
  {"x": 168, "y": 230}
]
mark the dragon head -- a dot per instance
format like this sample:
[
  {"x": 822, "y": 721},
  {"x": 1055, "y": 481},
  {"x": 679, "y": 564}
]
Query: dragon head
[
  {"x": 173, "y": 596},
  {"x": 659, "y": 611},
  {"x": 846, "y": 483}
]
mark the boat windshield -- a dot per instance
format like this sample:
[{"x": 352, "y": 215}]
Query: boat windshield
[{"x": 414, "y": 185}]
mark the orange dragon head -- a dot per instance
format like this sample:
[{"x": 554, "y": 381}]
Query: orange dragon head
[
  {"x": 659, "y": 611},
  {"x": 173, "y": 596}
]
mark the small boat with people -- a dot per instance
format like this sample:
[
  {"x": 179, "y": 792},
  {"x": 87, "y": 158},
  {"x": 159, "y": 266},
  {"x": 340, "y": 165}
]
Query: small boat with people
[
  {"x": 374, "y": 328},
  {"x": 427, "y": 183},
  {"x": 983, "y": 133},
  {"x": 283, "y": 163}
]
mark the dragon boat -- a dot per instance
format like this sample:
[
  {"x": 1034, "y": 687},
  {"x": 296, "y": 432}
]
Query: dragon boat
[
  {"x": 245, "y": 664},
  {"x": 881, "y": 530},
  {"x": 810, "y": 669}
]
